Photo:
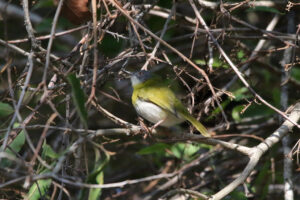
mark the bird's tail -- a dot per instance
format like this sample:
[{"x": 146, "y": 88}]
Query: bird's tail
[{"x": 197, "y": 125}]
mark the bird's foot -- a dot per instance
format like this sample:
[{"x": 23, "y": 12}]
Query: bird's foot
[
  {"x": 144, "y": 127},
  {"x": 156, "y": 125}
]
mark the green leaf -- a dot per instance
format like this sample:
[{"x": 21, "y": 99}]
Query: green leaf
[
  {"x": 96, "y": 177},
  {"x": 39, "y": 189},
  {"x": 5, "y": 109},
  {"x": 258, "y": 110},
  {"x": 217, "y": 110},
  {"x": 240, "y": 54},
  {"x": 178, "y": 150},
  {"x": 186, "y": 151},
  {"x": 48, "y": 151},
  {"x": 95, "y": 193},
  {"x": 15, "y": 146},
  {"x": 78, "y": 98},
  {"x": 200, "y": 62},
  {"x": 236, "y": 112},
  {"x": 190, "y": 149},
  {"x": 17, "y": 143},
  {"x": 240, "y": 94},
  {"x": 263, "y": 180},
  {"x": 238, "y": 195},
  {"x": 295, "y": 72},
  {"x": 276, "y": 96},
  {"x": 159, "y": 148},
  {"x": 217, "y": 63}
]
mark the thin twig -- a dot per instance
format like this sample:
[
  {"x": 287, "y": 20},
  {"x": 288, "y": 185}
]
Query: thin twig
[
  {"x": 256, "y": 152},
  {"x": 254, "y": 53},
  {"x": 235, "y": 69},
  {"x": 28, "y": 24},
  {"x": 152, "y": 55},
  {"x": 53, "y": 29},
  {"x": 95, "y": 63}
]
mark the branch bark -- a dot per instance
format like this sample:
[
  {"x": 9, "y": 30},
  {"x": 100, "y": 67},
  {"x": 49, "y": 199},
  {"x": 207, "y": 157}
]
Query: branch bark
[
  {"x": 286, "y": 141},
  {"x": 256, "y": 152}
]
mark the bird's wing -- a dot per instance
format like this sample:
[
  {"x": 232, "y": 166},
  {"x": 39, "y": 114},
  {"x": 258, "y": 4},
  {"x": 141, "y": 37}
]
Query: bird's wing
[
  {"x": 161, "y": 96},
  {"x": 166, "y": 99}
]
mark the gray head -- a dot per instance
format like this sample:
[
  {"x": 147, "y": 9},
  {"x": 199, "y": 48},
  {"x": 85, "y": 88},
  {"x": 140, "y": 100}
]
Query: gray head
[{"x": 140, "y": 77}]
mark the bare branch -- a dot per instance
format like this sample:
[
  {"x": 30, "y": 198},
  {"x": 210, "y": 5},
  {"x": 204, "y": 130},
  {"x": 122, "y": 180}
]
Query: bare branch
[{"x": 257, "y": 151}]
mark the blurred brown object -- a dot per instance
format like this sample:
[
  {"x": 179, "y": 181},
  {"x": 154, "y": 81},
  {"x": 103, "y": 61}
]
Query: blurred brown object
[{"x": 76, "y": 11}]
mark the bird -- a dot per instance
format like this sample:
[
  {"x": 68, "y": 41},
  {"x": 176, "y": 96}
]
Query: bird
[{"x": 154, "y": 101}]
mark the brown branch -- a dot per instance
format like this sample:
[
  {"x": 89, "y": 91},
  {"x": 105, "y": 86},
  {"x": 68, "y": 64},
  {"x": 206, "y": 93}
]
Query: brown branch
[
  {"x": 235, "y": 69},
  {"x": 50, "y": 42},
  {"x": 152, "y": 55},
  {"x": 95, "y": 63},
  {"x": 28, "y": 24},
  {"x": 256, "y": 152}
]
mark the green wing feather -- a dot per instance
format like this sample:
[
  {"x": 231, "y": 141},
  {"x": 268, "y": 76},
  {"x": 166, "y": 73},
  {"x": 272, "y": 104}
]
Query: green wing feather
[{"x": 156, "y": 92}]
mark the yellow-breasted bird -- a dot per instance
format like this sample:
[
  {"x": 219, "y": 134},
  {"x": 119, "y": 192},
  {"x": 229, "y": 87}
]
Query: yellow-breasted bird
[{"x": 156, "y": 102}]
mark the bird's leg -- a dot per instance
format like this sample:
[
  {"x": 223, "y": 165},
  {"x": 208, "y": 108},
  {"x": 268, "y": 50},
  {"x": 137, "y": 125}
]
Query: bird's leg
[
  {"x": 157, "y": 124},
  {"x": 143, "y": 125},
  {"x": 149, "y": 130}
]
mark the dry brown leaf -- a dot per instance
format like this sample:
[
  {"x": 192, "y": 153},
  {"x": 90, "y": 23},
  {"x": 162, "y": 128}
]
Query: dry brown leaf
[{"x": 76, "y": 11}]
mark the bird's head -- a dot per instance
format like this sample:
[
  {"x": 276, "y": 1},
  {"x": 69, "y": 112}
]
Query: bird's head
[{"x": 140, "y": 77}]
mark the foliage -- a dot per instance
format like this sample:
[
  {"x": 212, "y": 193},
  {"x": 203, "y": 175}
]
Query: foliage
[
  {"x": 78, "y": 98},
  {"x": 5, "y": 109}
]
